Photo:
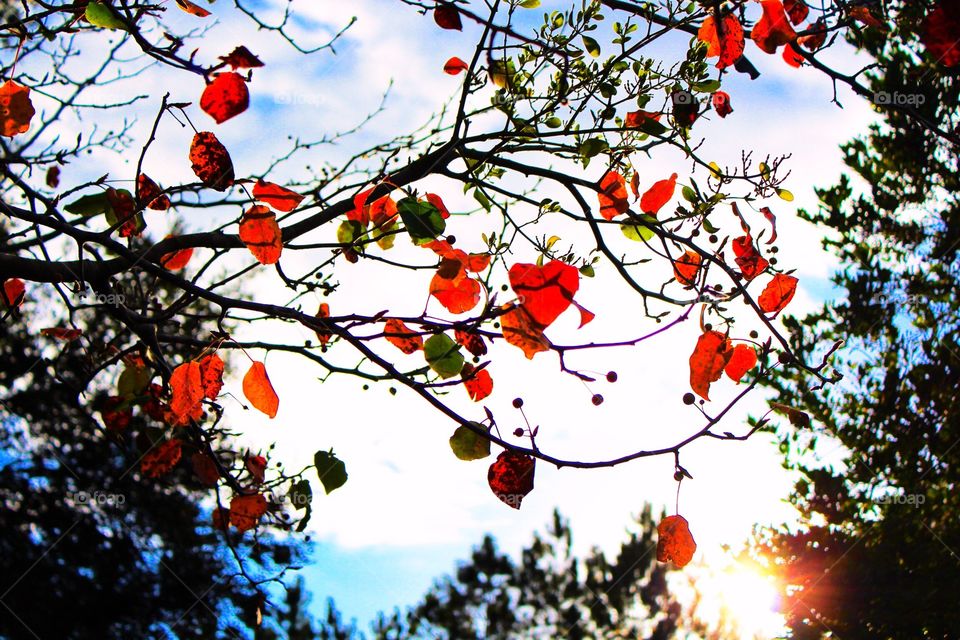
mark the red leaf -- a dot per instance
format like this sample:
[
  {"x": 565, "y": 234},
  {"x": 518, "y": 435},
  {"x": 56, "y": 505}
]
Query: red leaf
[
  {"x": 520, "y": 330},
  {"x": 261, "y": 233},
  {"x": 816, "y": 38},
  {"x": 256, "y": 467},
  {"x": 472, "y": 342},
  {"x": 241, "y": 58},
  {"x": 161, "y": 459},
  {"x": 361, "y": 211},
  {"x": 862, "y": 14},
  {"x": 211, "y": 162},
  {"x": 778, "y": 293},
  {"x": 707, "y": 361},
  {"x": 125, "y": 211},
  {"x": 685, "y": 269},
  {"x": 323, "y": 312},
  {"x": 675, "y": 543},
  {"x": 773, "y": 30},
  {"x": 511, "y": 477},
  {"x": 940, "y": 33},
  {"x": 772, "y": 219},
  {"x": 742, "y": 359},
  {"x": 16, "y": 109},
  {"x": 176, "y": 260},
  {"x": 436, "y": 201},
  {"x": 459, "y": 294},
  {"x": 545, "y": 292},
  {"x": 192, "y": 9},
  {"x": 225, "y": 97},
  {"x": 60, "y": 333},
  {"x": 246, "y": 511},
  {"x": 150, "y": 195},
  {"x": 115, "y": 419},
  {"x": 797, "y": 10},
  {"x": 750, "y": 262},
  {"x": 791, "y": 57},
  {"x": 13, "y": 292},
  {"x": 211, "y": 376},
  {"x": 479, "y": 384},
  {"x": 636, "y": 119},
  {"x": 205, "y": 469},
  {"x": 402, "y": 337},
  {"x": 186, "y": 385},
  {"x": 455, "y": 66},
  {"x": 259, "y": 391},
  {"x": 729, "y": 45},
  {"x": 447, "y": 16},
  {"x": 278, "y": 197},
  {"x": 658, "y": 195},
  {"x": 613, "y": 195},
  {"x": 721, "y": 103},
  {"x": 53, "y": 177}
]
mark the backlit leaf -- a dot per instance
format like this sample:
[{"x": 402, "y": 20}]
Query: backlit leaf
[
  {"x": 742, "y": 359},
  {"x": 511, "y": 477},
  {"x": 13, "y": 292},
  {"x": 205, "y": 469},
  {"x": 261, "y": 233},
  {"x": 721, "y": 103},
  {"x": 192, "y": 9},
  {"x": 469, "y": 445},
  {"x": 675, "y": 543},
  {"x": 323, "y": 312},
  {"x": 186, "y": 386},
  {"x": 443, "y": 355},
  {"x": 280, "y": 198},
  {"x": 472, "y": 342},
  {"x": 211, "y": 375},
  {"x": 101, "y": 15},
  {"x": 447, "y": 16},
  {"x": 241, "y": 58},
  {"x": 613, "y": 195},
  {"x": 751, "y": 263},
  {"x": 330, "y": 469},
  {"x": 729, "y": 45},
  {"x": 455, "y": 66},
  {"x": 479, "y": 384},
  {"x": 940, "y": 33},
  {"x": 708, "y": 361},
  {"x": 773, "y": 30},
  {"x": 400, "y": 336},
  {"x": 520, "y": 330},
  {"x": 150, "y": 195},
  {"x": 658, "y": 195},
  {"x": 259, "y": 391},
  {"x": 246, "y": 511},
  {"x": 686, "y": 267},
  {"x": 161, "y": 459},
  {"x": 778, "y": 293},
  {"x": 225, "y": 97},
  {"x": 544, "y": 292},
  {"x": 211, "y": 162},
  {"x": 16, "y": 109}
]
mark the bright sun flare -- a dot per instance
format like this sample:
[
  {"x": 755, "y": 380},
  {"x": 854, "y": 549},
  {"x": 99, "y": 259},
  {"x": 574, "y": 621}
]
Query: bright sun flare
[{"x": 744, "y": 596}]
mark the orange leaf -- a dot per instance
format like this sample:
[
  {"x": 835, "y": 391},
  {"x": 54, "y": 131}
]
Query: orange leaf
[
  {"x": 862, "y": 14},
  {"x": 400, "y": 336},
  {"x": 635, "y": 119},
  {"x": 259, "y": 391},
  {"x": 817, "y": 36},
  {"x": 323, "y": 312},
  {"x": 797, "y": 10},
  {"x": 472, "y": 342},
  {"x": 742, "y": 359},
  {"x": 257, "y": 467},
  {"x": 520, "y": 330},
  {"x": 246, "y": 511},
  {"x": 436, "y": 201},
  {"x": 479, "y": 384},
  {"x": 150, "y": 195},
  {"x": 225, "y": 97},
  {"x": 729, "y": 45},
  {"x": 125, "y": 211},
  {"x": 675, "y": 543},
  {"x": 241, "y": 58},
  {"x": 211, "y": 162},
  {"x": 67, "y": 335},
  {"x": 613, "y": 195},
  {"x": 161, "y": 459},
  {"x": 511, "y": 477},
  {"x": 211, "y": 375},
  {"x": 791, "y": 57},
  {"x": 772, "y": 219},
  {"x": 16, "y": 109},
  {"x": 192, "y": 9},
  {"x": 261, "y": 233},
  {"x": 545, "y": 292},
  {"x": 186, "y": 385},
  {"x": 707, "y": 361},
  {"x": 455, "y": 66},
  {"x": 13, "y": 292},
  {"x": 685, "y": 269},
  {"x": 773, "y": 30},
  {"x": 458, "y": 295},
  {"x": 447, "y": 16},
  {"x": 658, "y": 195},
  {"x": 778, "y": 293},
  {"x": 278, "y": 197}
]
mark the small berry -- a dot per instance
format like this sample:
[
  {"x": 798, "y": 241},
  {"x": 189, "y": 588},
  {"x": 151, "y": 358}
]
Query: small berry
[
  {"x": 784, "y": 358},
  {"x": 688, "y": 398},
  {"x": 518, "y": 432},
  {"x": 517, "y": 403},
  {"x": 754, "y": 335},
  {"x": 611, "y": 376},
  {"x": 451, "y": 240},
  {"x": 713, "y": 238},
  {"x": 366, "y": 387},
  {"x": 597, "y": 399},
  {"x": 504, "y": 288},
  {"x": 678, "y": 475},
  {"x": 393, "y": 391},
  {"x": 708, "y": 327}
]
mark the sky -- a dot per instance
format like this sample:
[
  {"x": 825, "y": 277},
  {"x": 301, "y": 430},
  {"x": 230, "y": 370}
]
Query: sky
[{"x": 410, "y": 510}]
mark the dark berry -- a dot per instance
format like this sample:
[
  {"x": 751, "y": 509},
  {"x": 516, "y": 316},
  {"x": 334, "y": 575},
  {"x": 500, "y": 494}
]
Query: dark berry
[
  {"x": 597, "y": 399},
  {"x": 754, "y": 335},
  {"x": 518, "y": 432},
  {"x": 688, "y": 398},
  {"x": 611, "y": 376},
  {"x": 713, "y": 238},
  {"x": 517, "y": 403},
  {"x": 678, "y": 475}
]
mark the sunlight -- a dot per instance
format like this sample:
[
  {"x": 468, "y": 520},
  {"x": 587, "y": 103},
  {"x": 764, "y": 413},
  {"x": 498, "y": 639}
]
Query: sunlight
[{"x": 741, "y": 599}]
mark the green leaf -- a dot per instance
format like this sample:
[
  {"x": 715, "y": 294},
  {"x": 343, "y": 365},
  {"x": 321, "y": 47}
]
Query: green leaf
[
  {"x": 587, "y": 270},
  {"x": 100, "y": 15},
  {"x": 133, "y": 380},
  {"x": 785, "y": 195},
  {"x": 330, "y": 469},
  {"x": 640, "y": 232},
  {"x": 593, "y": 146},
  {"x": 689, "y": 195},
  {"x": 301, "y": 495},
  {"x": 554, "y": 122},
  {"x": 422, "y": 220},
  {"x": 348, "y": 231},
  {"x": 468, "y": 445},
  {"x": 715, "y": 170},
  {"x": 482, "y": 198},
  {"x": 706, "y": 87},
  {"x": 593, "y": 48},
  {"x": 91, "y": 205},
  {"x": 530, "y": 4},
  {"x": 443, "y": 355}
]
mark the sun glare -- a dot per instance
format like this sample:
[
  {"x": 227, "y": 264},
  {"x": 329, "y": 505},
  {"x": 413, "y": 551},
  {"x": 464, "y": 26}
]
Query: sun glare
[{"x": 742, "y": 598}]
